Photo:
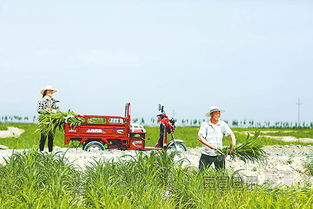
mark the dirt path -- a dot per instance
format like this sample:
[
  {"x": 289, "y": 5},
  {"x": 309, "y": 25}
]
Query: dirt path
[
  {"x": 285, "y": 164},
  {"x": 11, "y": 132}
]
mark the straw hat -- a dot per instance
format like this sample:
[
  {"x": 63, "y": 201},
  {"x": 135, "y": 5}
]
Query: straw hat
[
  {"x": 214, "y": 109},
  {"x": 49, "y": 87}
]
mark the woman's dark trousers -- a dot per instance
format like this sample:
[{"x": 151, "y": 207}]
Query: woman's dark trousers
[{"x": 43, "y": 141}]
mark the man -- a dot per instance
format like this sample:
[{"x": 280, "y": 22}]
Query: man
[
  {"x": 210, "y": 135},
  {"x": 47, "y": 104}
]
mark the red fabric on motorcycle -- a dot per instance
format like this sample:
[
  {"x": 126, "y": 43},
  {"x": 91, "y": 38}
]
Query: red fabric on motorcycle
[{"x": 168, "y": 125}]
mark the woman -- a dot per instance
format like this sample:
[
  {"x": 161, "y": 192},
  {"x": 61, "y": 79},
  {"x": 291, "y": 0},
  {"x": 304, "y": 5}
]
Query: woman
[{"x": 47, "y": 105}]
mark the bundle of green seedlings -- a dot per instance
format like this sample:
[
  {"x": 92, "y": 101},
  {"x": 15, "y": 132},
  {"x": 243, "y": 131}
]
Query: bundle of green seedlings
[
  {"x": 250, "y": 151},
  {"x": 49, "y": 122}
]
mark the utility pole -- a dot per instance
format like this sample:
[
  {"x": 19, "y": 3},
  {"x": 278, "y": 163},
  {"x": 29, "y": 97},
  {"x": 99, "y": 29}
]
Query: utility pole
[{"x": 299, "y": 104}]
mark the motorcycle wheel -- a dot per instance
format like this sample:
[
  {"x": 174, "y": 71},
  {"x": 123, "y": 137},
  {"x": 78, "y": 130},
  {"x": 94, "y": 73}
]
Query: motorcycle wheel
[{"x": 180, "y": 147}]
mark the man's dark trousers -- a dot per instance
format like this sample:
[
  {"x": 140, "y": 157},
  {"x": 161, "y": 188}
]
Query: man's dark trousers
[{"x": 206, "y": 161}]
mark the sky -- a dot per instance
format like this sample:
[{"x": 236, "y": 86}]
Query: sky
[{"x": 251, "y": 58}]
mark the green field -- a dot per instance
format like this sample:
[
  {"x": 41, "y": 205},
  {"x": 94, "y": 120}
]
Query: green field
[{"x": 30, "y": 138}]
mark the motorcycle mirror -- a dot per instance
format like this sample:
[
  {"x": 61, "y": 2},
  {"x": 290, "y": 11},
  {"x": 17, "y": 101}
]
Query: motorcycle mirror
[{"x": 161, "y": 108}]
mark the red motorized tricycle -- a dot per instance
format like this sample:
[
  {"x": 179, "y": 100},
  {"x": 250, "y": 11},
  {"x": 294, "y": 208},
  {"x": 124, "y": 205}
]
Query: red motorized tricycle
[{"x": 114, "y": 132}]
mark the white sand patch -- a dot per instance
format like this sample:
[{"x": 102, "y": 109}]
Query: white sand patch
[
  {"x": 285, "y": 164},
  {"x": 284, "y": 138},
  {"x": 291, "y": 139},
  {"x": 11, "y": 132},
  {"x": 275, "y": 131}
]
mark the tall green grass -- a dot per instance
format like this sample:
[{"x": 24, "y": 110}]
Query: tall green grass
[
  {"x": 41, "y": 180},
  {"x": 38, "y": 180}
]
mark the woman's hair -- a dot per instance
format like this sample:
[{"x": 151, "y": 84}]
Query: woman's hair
[{"x": 44, "y": 93}]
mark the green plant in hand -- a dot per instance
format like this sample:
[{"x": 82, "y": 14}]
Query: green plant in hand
[
  {"x": 49, "y": 122},
  {"x": 250, "y": 151}
]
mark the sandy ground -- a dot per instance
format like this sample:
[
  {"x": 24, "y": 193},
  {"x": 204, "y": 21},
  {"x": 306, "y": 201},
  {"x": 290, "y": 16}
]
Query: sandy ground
[
  {"x": 284, "y": 166},
  {"x": 11, "y": 132}
]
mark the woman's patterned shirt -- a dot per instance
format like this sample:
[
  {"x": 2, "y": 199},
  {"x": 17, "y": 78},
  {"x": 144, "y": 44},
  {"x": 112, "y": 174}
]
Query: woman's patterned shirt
[{"x": 45, "y": 103}]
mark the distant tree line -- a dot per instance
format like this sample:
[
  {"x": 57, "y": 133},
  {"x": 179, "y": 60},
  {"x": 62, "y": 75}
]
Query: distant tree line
[
  {"x": 233, "y": 123},
  {"x": 17, "y": 119},
  {"x": 269, "y": 124},
  {"x": 182, "y": 122}
]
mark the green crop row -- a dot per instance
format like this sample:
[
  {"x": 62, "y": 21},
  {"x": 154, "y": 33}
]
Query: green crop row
[{"x": 41, "y": 180}]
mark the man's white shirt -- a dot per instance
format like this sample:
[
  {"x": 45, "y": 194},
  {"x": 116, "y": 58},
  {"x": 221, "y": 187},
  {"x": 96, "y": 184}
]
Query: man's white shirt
[{"x": 213, "y": 134}]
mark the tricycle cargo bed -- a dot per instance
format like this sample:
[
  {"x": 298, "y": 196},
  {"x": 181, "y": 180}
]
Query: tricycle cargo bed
[{"x": 111, "y": 131}]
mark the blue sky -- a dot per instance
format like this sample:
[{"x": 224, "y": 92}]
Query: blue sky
[{"x": 252, "y": 58}]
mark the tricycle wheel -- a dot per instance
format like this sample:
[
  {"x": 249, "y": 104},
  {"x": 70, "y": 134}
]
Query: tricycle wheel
[{"x": 93, "y": 146}]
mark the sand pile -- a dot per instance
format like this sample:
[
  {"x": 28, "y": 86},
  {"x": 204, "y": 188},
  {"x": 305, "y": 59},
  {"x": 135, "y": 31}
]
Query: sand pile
[{"x": 11, "y": 132}]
